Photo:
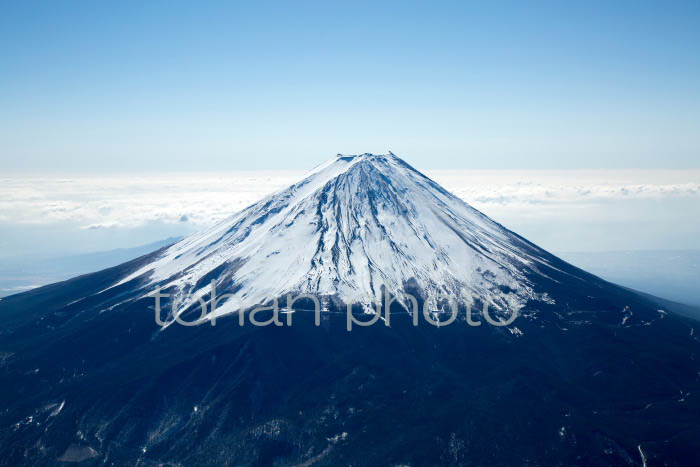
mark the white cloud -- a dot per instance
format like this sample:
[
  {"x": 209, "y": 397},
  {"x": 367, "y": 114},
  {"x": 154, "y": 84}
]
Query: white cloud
[
  {"x": 102, "y": 202},
  {"x": 523, "y": 188},
  {"x": 123, "y": 201}
]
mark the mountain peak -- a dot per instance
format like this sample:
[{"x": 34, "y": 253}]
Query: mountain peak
[
  {"x": 357, "y": 224},
  {"x": 366, "y": 155},
  {"x": 347, "y": 161},
  {"x": 366, "y": 170}
]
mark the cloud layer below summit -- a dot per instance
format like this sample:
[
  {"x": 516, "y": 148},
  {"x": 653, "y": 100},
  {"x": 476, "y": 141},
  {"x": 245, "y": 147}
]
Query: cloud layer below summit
[{"x": 560, "y": 210}]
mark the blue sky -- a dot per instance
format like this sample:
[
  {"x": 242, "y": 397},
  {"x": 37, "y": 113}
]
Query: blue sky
[{"x": 139, "y": 86}]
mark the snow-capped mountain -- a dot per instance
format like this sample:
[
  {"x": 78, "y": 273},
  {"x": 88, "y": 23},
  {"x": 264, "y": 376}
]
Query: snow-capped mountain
[
  {"x": 355, "y": 224},
  {"x": 589, "y": 374}
]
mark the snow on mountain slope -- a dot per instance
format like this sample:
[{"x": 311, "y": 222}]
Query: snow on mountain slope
[{"x": 353, "y": 225}]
